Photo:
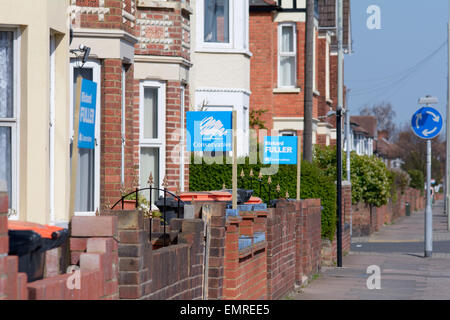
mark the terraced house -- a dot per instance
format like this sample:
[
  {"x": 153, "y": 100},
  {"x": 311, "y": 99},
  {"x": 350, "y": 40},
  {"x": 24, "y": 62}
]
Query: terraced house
[
  {"x": 277, "y": 41},
  {"x": 140, "y": 56}
]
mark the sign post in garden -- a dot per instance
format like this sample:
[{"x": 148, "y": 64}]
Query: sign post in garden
[
  {"x": 283, "y": 150},
  {"x": 427, "y": 123},
  {"x": 214, "y": 131}
]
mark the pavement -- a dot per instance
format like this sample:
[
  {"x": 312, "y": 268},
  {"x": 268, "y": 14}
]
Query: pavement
[{"x": 398, "y": 250}]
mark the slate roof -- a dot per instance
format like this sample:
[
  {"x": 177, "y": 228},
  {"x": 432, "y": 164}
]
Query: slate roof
[
  {"x": 387, "y": 150},
  {"x": 368, "y": 123}
]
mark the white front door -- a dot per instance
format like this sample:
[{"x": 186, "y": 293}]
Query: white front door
[{"x": 87, "y": 199}]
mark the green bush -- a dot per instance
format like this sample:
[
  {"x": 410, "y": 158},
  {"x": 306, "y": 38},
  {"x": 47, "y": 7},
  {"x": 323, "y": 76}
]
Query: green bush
[
  {"x": 371, "y": 181},
  {"x": 417, "y": 179},
  {"x": 399, "y": 180},
  {"x": 314, "y": 184}
]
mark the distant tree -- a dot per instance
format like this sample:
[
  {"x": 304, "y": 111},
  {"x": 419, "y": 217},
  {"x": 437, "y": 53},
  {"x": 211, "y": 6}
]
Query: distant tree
[
  {"x": 413, "y": 151},
  {"x": 385, "y": 115}
]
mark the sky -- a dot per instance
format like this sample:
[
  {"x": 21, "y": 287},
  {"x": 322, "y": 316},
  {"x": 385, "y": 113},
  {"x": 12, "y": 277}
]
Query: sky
[{"x": 393, "y": 64}]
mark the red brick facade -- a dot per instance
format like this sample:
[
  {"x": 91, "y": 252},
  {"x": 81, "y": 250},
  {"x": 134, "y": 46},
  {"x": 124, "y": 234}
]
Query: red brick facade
[
  {"x": 159, "y": 31},
  {"x": 264, "y": 74}
]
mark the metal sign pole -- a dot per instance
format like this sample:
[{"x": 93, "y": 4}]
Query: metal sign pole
[
  {"x": 428, "y": 211},
  {"x": 427, "y": 124},
  {"x": 235, "y": 175},
  {"x": 299, "y": 165}
]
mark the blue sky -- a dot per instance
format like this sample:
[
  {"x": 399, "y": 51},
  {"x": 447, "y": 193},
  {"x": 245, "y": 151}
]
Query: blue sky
[{"x": 382, "y": 66}]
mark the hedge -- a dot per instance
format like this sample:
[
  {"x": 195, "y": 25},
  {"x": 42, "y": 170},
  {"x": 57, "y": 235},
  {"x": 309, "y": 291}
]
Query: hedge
[
  {"x": 314, "y": 184},
  {"x": 370, "y": 178}
]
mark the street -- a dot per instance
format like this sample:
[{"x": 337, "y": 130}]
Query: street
[{"x": 398, "y": 250}]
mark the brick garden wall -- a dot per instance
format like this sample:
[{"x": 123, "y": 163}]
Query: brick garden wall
[
  {"x": 281, "y": 249},
  {"x": 293, "y": 245},
  {"x": 245, "y": 268},
  {"x": 94, "y": 249},
  {"x": 150, "y": 271},
  {"x": 367, "y": 220}
]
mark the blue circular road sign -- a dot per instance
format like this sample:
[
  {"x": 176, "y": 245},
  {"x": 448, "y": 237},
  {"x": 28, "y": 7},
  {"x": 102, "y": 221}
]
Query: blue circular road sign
[{"x": 427, "y": 123}]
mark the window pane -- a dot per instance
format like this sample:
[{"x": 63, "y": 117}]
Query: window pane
[
  {"x": 85, "y": 73},
  {"x": 287, "y": 71},
  {"x": 287, "y": 39},
  {"x": 6, "y": 74},
  {"x": 149, "y": 163},
  {"x": 216, "y": 27},
  {"x": 85, "y": 188},
  {"x": 5, "y": 159},
  {"x": 150, "y": 122},
  {"x": 85, "y": 195}
]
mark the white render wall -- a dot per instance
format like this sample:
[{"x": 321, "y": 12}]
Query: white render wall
[{"x": 220, "y": 75}]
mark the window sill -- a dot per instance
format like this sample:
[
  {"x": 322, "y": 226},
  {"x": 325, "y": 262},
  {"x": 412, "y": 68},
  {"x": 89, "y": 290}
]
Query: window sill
[
  {"x": 316, "y": 93},
  {"x": 287, "y": 90},
  {"x": 224, "y": 50}
]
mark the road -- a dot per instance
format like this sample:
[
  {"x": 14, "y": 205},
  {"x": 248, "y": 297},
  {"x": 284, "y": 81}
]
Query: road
[{"x": 398, "y": 250}]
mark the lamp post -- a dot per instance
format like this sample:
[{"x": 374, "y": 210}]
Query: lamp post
[{"x": 340, "y": 103}]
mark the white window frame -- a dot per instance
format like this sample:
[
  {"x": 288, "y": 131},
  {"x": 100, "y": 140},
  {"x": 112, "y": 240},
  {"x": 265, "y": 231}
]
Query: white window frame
[
  {"x": 96, "y": 76},
  {"x": 287, "y": 54},
  {"x": 14, "y": 124},
  {"x": 160, "y": 142},
  {"x": 201, "y": 28},
  {"x": 182, "y": 136}
]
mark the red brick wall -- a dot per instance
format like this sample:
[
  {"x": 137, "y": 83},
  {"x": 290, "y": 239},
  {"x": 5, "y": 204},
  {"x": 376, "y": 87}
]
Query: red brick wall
[
  {"x": 310, "y": 246},
  {"x": 171, "y": 272},
  {"x": 171, "y": 32},
  {"x": 264, "y": 71},
  {"x": 111, "y": 130},
  {"x": 113, "y": 17},
  {"x": 245, "y": 273},
  {"x": 95, "y": 251},
  {"x": 281, "y": 250},
  {"x": 365, "y": 222}
]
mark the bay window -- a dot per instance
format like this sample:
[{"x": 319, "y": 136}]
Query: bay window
[{"x": 217, "y": 21}]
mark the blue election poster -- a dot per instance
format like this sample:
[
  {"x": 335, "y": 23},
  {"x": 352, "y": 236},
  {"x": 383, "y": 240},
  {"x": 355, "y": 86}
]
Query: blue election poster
[
  {"x": 209, "y": 130},
  {"x": 88, "y": 102},
  {"x": 280, "y": 150}
]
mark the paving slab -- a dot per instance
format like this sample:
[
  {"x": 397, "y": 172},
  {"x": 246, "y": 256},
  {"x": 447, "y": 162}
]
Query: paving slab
[{"x": 398, "y": 250}]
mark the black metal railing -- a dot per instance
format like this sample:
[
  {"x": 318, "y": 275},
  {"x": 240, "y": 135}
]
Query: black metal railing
[
  {"x": 263, "y": 186},
  {"x": 166, "y": 192}
]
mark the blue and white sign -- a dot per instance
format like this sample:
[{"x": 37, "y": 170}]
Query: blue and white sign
[
  {"x": 427, "y": 123},
  {"x": 209, "y": 130},
  {"x": 88, "y": 102},
  {"x": 280, "y": 150}
]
